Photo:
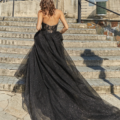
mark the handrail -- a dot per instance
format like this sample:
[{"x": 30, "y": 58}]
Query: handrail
[
  {"x": 79, "y": 9},
  {"x": 13, "y": 8},
  {"x": 102, "y": 7}
]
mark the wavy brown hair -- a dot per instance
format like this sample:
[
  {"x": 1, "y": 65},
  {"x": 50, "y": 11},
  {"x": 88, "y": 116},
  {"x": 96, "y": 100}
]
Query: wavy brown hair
[{"x": 47, "y": 5}]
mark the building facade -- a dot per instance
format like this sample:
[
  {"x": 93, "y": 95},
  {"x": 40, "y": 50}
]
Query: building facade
[{"x": 29, "y": 8}]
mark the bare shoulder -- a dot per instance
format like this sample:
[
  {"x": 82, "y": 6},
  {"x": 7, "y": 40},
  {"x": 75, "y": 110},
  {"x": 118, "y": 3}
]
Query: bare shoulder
[
  {"x": 40, "y": 12},
  {"x": 59, "y": 12}
]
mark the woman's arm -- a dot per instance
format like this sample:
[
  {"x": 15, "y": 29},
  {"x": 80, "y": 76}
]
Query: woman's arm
[
  {"x": 39, "y": 20},
  {"x": 63, "y": 20}
]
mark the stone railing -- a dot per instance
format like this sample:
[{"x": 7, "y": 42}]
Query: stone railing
[{"x": 110, "y": 28}]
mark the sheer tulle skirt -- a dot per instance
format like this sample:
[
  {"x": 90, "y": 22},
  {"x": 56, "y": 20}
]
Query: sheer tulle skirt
[{"x": 54, "y": 88}]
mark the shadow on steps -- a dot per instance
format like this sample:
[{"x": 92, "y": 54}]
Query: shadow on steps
[{"x": 98, "y": 66}]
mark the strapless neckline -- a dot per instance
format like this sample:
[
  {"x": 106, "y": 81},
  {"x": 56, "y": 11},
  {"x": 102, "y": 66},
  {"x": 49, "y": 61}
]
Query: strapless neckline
[
  {"x": 49, "y": 28},
  {"x": 50, "y": 25}
]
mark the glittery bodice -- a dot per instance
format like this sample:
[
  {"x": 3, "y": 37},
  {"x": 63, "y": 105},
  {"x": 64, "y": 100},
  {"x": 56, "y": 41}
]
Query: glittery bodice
[{"x": 49, "y": 28}]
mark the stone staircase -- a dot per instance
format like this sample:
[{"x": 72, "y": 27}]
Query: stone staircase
[{"x": 97, "y": 59}]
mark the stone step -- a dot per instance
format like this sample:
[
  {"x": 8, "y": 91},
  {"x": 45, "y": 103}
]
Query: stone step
[
  {"x": 96, "y": 61},
  {"x": 30, "y": 19},
  {"x": 93, "y": 51},
  {"x": 78, "y": 60},
  {"x": 65, "y": 36},
  {"x": 15, "y": 23},
  {"x": 33, "y": 29},
  {"x": 87, "y": 72},
  {"x": 99, "y": 72},
  {"x": 11, "y": 84},
  {"x": 11, "y": 58},
  {"x": 67, "y": 43},
  {"x": 108, "y": 85},
  {"x": 71, "y": 51}
]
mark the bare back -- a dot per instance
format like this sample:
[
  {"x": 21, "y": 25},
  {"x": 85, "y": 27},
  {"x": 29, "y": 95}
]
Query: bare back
[{"x": 51, "y": 20}]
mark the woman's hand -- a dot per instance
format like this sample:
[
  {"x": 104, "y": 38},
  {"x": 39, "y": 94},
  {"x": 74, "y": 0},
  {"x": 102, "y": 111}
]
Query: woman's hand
[{"x": 63, "y": 20}]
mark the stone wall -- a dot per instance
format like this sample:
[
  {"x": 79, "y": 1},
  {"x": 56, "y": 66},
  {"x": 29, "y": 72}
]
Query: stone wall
[
  {"x": 87, "y": 11},
  {"x": 113, "y": 5},
  {"x": 69, "y": 7},
  {"x": 22, "y": 8}
]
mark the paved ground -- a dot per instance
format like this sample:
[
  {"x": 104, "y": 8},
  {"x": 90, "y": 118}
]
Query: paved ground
[{"x": 11, "y": 105}]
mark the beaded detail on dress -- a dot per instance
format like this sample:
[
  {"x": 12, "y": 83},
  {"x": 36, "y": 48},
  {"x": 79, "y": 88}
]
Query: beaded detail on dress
[{"x": 49, "y": 28}]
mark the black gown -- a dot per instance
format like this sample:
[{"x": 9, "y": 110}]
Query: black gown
[{"x": 54, "y": 88}]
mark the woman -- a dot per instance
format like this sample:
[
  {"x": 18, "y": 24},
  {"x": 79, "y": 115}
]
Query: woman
[{"x": 54, "y": 89}]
